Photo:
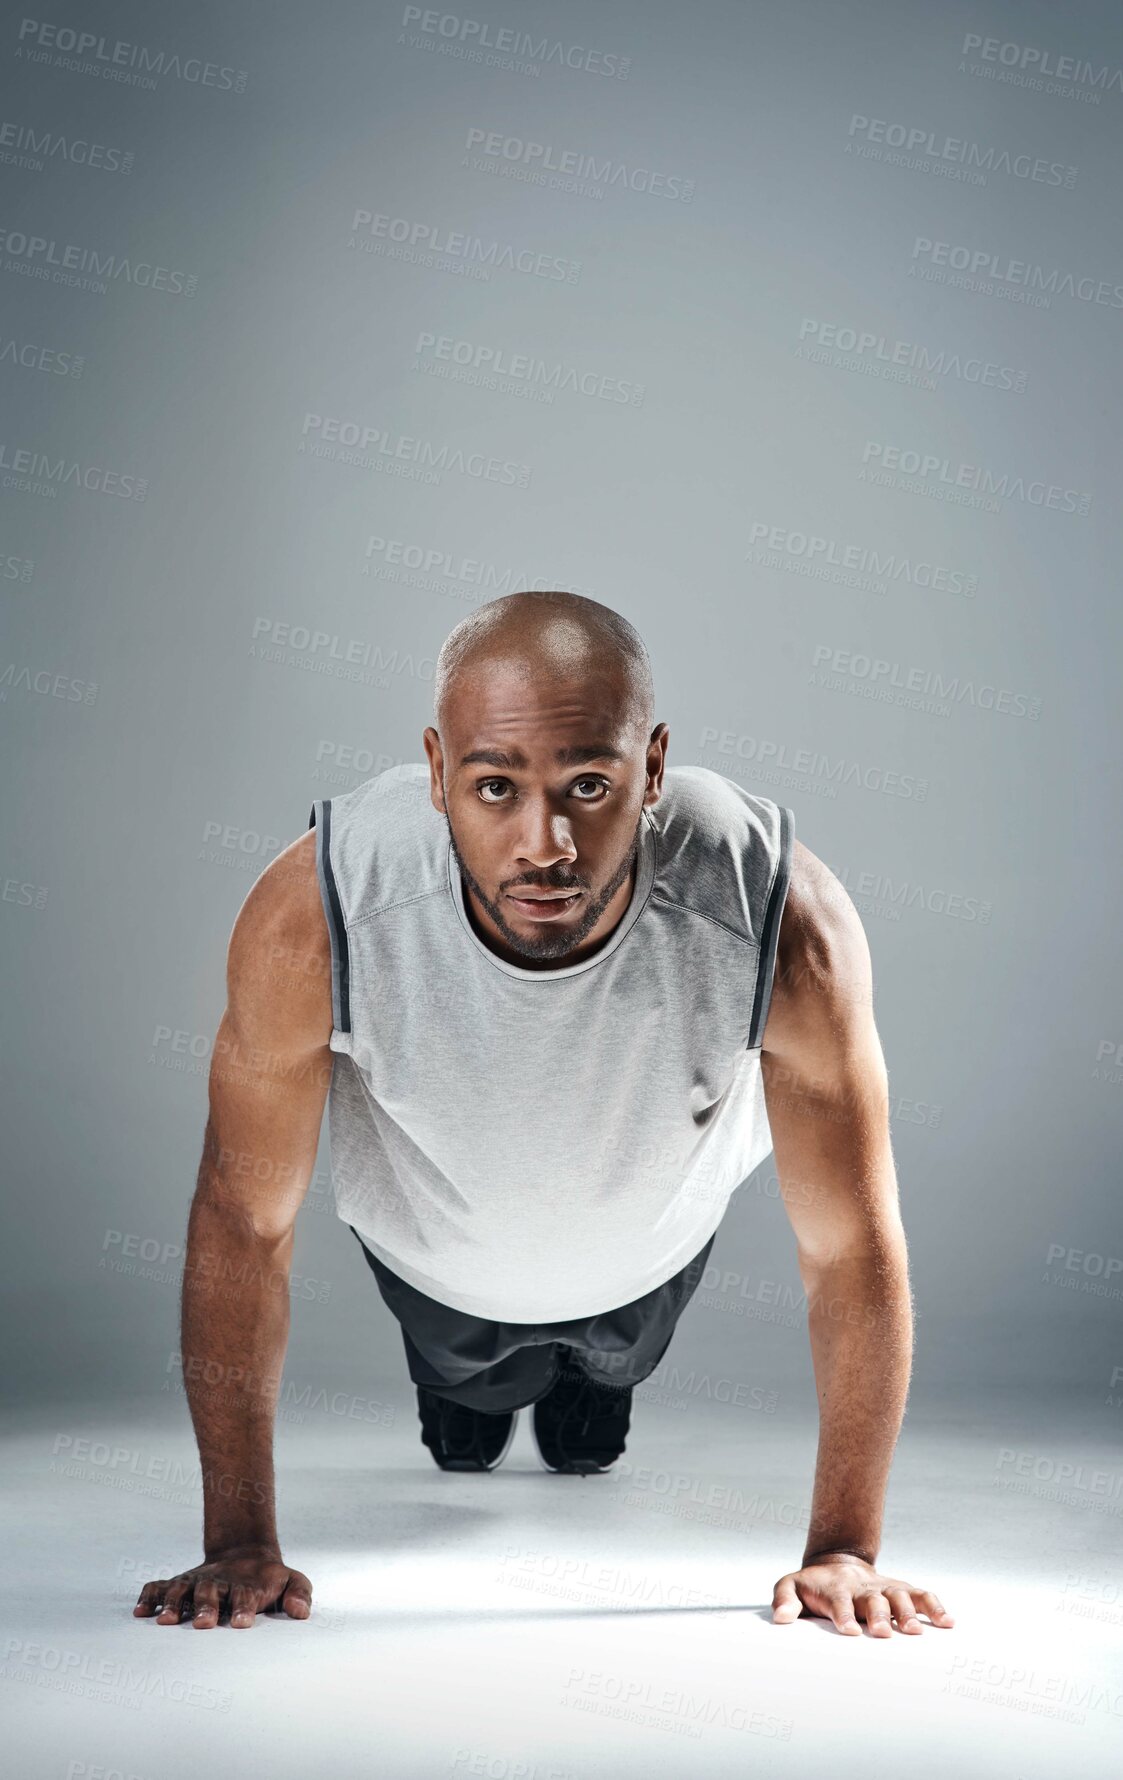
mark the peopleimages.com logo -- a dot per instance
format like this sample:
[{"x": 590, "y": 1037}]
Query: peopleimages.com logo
[
  {"x": 87, "y": 267},
  {"x": 31, "y": 471},
  {"x": 470, "y": 38},
  {"x": 26, "y": 146},
  {"x": 133, "y": 64},
  {"x": 880, "y": 677},
  {"x": 368, "y": 447},
  {"x": 1026, "y": 64},
  {"x": 492, "y": 150},
  {"x": 877, "y": 354},
  {"x": 431, "y": 244},
  {"x": 805, "y": 552},
  {"x": 495, "y": 363},
  {"x": 954, "y": 156},
  {"x": 928, "y": 466},
  {"x": 984, "y": 263}
]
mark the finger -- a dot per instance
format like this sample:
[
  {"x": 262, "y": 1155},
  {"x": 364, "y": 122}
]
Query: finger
[
  {"x": 927, "y": 1602},
  {"x": 900, "y": 1602},
  {"x": 840, "y": 1608},
  {"x": 875, "y": 1610},
  {"x": 243, "y": 1605},
  {"x": 208, "y": 1603},
  {"x": 174, "y": 1596},
  {"x": 297, "y": 1598},
  {"x": 150, "y": 1597},
  {"x": 785, "y": 1601}
]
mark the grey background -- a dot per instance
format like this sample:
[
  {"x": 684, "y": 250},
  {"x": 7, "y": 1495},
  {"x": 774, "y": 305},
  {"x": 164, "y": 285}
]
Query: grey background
[{"x": 118, "y": 897}]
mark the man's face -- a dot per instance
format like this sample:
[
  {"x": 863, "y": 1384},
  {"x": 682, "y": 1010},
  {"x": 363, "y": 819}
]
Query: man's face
[{"x": 545, "y": 845}]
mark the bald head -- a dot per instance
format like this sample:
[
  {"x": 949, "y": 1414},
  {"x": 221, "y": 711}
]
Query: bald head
[{"x": 546, "y": 639}]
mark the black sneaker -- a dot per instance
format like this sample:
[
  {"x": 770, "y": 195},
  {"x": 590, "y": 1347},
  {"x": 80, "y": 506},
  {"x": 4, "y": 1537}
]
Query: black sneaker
[
  {"x": 580, "y": 1425},
  {"x": 463, "y": 1439}
]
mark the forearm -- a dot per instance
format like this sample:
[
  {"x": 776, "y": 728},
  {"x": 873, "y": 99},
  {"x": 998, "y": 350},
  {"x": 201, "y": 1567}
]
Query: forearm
[
  {"x": 235, "y": 1323},
  {"x": 860, "y": 1327}
]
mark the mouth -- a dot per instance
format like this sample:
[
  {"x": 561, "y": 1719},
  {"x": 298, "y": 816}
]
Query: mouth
[{"x": 547, "y": 905}]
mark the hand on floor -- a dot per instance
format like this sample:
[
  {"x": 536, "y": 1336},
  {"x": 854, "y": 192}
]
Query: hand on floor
[
  {"x": 241, "y": 1582},
  {"x": 837, "y": 1585}
]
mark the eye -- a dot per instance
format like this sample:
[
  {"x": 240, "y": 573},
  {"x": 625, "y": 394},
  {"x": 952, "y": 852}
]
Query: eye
[
  {"x": 484, "y": 782},
  {"x": 586, "y": 779}
]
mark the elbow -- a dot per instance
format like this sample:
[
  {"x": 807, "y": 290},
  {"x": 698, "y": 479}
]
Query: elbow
[
  {"x": 876, "y": 1254},
  {"x": 235, "y": 1219}
]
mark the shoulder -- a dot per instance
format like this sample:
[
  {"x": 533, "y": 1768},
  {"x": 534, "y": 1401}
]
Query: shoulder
[
  {"x": 718, "y": 847},
  {"x": 700, "y": 795},
  {"x": 384, "y": 842},
  {"x": 278, "y": 961},
  {"x": 823, "y": 987}
]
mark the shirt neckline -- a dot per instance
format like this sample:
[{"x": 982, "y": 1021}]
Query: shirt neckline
[{"x": 641, "y": 891}]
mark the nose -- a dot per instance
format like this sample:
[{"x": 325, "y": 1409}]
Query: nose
[{"x": 544, "y": 839}]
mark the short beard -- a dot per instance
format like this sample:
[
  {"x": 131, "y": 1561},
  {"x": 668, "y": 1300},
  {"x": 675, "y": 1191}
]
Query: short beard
[{"x": 550, "y": 943}]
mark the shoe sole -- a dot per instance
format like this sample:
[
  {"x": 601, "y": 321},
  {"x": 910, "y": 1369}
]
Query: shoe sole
[
  {"x": 507, "y": 1442},
  {"x": 470, "y": 1464},
  {"x": 564, "y": 1470}
]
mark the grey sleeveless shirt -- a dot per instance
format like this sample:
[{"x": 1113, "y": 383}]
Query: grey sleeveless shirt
[{"x": 535, "y": 1145}]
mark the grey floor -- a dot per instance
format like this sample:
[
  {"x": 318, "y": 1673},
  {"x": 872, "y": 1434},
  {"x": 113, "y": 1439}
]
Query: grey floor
[{"x": 523, "y": 1626}]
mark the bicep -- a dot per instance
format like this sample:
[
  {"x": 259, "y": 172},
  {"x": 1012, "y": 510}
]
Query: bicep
[
  {"x": 272, "y": 1061},
  {"x": 825, "y": 1081}
]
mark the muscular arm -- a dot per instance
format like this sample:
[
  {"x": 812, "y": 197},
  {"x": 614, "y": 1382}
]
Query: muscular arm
[
  {"x": 269, "y": 1077},
  {"x": 826, "y": 1091}
]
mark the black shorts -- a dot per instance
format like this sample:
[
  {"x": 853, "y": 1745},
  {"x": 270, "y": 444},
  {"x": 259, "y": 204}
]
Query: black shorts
[{"x": 497, "y": 1367}]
